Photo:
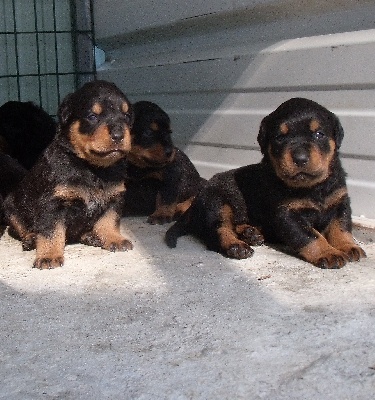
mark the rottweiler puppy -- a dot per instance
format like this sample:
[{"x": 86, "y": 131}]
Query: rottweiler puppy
[
  {"x": 11, "y": 175},
  {"x": 296, "y": 196},
  {"x": 161, "y": 180},
  {"x": 74, "y": 191},
  {"x": 25, "y": 131}
]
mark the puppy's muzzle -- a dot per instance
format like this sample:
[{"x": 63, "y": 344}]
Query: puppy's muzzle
[{"x": 301, "y": 155}]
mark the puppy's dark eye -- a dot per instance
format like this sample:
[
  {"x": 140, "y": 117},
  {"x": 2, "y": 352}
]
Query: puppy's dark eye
[
  {"x": 127, "y": 118},
  {"x": 148, "y": 133},
  {"x": 92, "y": 117},
  {"x": 319, "y": 135},
  {"x": 279, "y": 138}
]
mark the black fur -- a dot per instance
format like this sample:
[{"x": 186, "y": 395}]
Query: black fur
[
  {"x": 25, "y": 131},
  {"x": 74, "y": 192},
  {"x": 296, "y": 196},
  {"x": 11, "y": 175},
  {"x": 161, "y": 180}
]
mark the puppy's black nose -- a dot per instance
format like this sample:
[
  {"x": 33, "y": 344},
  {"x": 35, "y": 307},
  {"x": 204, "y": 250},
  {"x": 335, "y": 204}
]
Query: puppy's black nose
[
  {"x": 300, "y": 156},
  {"x": 117, "y": 135}
]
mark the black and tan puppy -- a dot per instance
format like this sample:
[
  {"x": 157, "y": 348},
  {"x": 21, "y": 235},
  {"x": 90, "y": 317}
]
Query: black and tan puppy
[
  {"x": 296, "y": 196},
  {"x": 11, "y": 174},
  {"x": 25, "y": 131},
  {"x": 74, "y": 192},
  {"x": 161, "y": 180}
]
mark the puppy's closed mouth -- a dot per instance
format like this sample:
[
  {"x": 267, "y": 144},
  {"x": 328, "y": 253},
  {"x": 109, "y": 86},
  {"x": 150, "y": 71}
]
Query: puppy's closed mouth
[
  {"x": 303, "y": 176},
  {"x": 306, "y": 178},
  {"x": 109, "y": 153}
]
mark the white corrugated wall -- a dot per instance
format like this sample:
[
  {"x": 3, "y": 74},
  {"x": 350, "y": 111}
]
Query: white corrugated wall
[{"x": 219, "y": 67}]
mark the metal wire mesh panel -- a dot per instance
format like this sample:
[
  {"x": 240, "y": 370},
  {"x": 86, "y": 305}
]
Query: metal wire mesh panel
[{"x": 47, "y": 49}]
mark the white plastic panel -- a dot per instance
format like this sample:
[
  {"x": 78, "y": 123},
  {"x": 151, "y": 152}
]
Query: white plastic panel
[{"x": 219, "y": 68}]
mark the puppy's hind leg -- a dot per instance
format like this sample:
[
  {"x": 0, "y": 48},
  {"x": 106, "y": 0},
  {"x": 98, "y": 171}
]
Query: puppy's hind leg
[
  {"x": 18, "y": 231},
  {"x": 228, "y": 239},
  {"x": 106, "y": 234},
  {"x": 250, "y": 234},
  {"x": 181, "y": 227},
  {"x": 341, "y": 239}
]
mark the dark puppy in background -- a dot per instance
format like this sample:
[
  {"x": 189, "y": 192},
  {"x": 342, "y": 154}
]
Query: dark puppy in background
[
  {"x": 296, "y": 196},
  {"x": 25, "y": 131},
  {"x": 161, "y": 180},
  {"x": 74, "y": 192},
  {"x": 11, "y": 174}
]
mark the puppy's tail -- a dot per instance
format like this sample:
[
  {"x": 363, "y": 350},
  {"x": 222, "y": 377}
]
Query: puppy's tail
[{"x": 180, "y": 228}]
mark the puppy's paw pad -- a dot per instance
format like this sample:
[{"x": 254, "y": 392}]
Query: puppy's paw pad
[
  {"x": 252, "y": 236},
  {"x": 239, "y": 251},
  {"x": 332, "y": 261},
  {"x": 355, "y": 253},
  {"x": 29, "y": 242},
  {"x": 90, "y": 239},
  {"x": 123, "y": 245},
  {"x": 48, "y": 263}
]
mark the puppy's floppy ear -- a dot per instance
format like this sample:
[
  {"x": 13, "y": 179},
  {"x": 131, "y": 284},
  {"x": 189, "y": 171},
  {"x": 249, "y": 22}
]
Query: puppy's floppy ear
[
  {"x": 263, "y": 135},
  {"x": 63, "y": 112},
  {"x": 338, "y": 130}
]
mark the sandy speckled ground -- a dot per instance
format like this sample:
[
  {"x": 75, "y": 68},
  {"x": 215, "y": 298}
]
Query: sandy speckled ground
[{"x": 156, "y": 323}]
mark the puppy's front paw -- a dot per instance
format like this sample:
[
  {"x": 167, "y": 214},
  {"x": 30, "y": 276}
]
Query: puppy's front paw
[
  {"x": 239, "y": 251},
  {"x": 250, "y": 235},
  {"x": 122, "y": 245},
  {"x": 355, "y": 253},
  {"x": 163, "y": 214},
  {"x": 29, "y": 242},
  {"x": 332, "y": 260},
  {"x": 48, "y": 263},
  {"x": 90, "y": 239}
]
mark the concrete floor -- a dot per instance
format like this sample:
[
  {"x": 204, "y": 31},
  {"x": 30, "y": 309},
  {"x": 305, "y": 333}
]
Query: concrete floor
[{"x": 156, "y": 323}]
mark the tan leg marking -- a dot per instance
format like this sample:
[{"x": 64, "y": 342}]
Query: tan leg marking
[
  {"x": 107, "y": 232},
  {"x": 163, "y": 213},
  {"x": 228, "y": 239},
  {"x": 27, "y": 238},
  {"x": 249, "y": 234},
  {"x": 320, "y": 253},
  {"x": 183, "y": 206},
  {"x": 50, "y": 250},
  {"x": 18, "y": 227},
  {"x": 344, "y": 241}
]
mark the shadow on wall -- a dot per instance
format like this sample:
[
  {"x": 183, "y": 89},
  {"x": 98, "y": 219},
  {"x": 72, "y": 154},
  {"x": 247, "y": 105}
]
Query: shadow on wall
[
  {"x": 218, "y": 75},
  {"x": 239, "y": 66}
]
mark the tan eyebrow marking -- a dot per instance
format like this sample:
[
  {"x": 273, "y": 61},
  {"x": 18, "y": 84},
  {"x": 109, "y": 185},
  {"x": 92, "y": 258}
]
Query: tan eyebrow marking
[
  {"x": 97, "y": 108},
  {"x": 284, "y": 129},
  {"x": 125, "y": 107},
  {"x": 314, "y": 125}
]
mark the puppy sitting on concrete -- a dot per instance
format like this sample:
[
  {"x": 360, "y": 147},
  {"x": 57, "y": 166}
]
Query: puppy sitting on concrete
[
  {"x": 296, "y": 196},
  {"x": 74, "y": 192},
  {"x": 161, "y": 180}
]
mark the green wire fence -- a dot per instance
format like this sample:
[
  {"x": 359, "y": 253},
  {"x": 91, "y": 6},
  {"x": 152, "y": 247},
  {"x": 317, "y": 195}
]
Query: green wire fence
[{"x": 46, "y": 50}]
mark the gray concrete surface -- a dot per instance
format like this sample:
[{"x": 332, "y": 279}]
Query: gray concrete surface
[{"x": 156, "y": 323}]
